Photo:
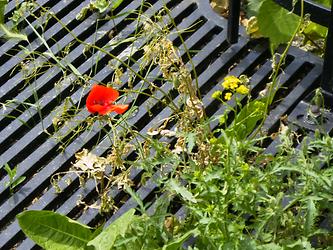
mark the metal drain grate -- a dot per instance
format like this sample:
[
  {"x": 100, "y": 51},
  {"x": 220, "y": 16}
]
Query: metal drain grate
[{"x": 24, "y": 141}]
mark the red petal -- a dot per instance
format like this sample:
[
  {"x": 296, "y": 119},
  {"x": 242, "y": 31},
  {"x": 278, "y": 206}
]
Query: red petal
[
  {"x": 101, "y": 94},
  {"x": 97, "y": 108},
  {"x": 119, "y": 108},
  {"x": 100, "y": 99}
]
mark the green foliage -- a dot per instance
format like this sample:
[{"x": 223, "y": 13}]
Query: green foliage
[
  {"x": 53, "y": 231},
  {"x": 106, "y": 239},
  {"x": 266, "y": 202},
  {"x": 13, "y": 181},
  {"x": 181, "y": 190},
  {"x": 247, "y": 119},
  {"x": 276, "y": 23},
  {"x": 100, "y": 5},
  {"x": 9, "y": 33}
]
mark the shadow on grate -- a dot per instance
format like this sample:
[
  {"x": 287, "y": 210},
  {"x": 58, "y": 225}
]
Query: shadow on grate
[{"x": 31, "y": 140}]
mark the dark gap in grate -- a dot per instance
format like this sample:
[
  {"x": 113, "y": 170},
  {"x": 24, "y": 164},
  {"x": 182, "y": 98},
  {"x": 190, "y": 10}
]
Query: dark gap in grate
[
  {"x": 175, "y": 205},
  {"x": 255, "y": 94},
  {"x": 292, "y": 83},
  {"x": 16, "y": 49},
  {"x": 32, "y": 121},
  {"x": 12, "y": 243},
  {"x": 215, "y": 54},
  {"x": 203, "y": 41},
  {"x": 187, "y": 12},
  {"x": 197, "y": 24}
]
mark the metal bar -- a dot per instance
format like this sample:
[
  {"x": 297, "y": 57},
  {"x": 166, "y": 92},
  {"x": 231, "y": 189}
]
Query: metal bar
[
  {"x": 327, "y": 76},
  {"x": 233, "y": 20}
]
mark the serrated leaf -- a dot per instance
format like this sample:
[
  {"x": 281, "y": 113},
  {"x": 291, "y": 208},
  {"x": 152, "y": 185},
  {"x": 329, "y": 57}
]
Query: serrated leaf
[
  {"x": 106, "y": 239},
  {"x": 310, "y": 217},
  {"x": 54, "y": 231},
  {"x": 182, "y": 191},
  {"x": 276, "y": 23}
]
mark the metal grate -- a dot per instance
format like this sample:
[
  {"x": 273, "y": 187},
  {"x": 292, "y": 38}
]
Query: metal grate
[{"x": 25, "y": 130}]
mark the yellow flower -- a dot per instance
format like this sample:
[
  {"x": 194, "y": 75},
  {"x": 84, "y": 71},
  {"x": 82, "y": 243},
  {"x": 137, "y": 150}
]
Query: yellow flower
[
  {"x": 242, "y": 90},
  {"x": 231, "y": 82},
  {"x": 216, "y": 94},
  {"x": 228, "y": 96}
]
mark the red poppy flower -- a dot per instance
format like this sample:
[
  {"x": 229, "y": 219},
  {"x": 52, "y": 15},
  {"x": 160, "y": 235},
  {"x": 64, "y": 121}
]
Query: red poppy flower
[{"x": 100, "y": 100}]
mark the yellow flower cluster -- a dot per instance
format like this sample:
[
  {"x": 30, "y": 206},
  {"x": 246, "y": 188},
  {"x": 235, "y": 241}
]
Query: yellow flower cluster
[
  {"x": 227, "y": 96},
  {"x": 242, "y": 89},
  {"x": 217, "y": 94},
  {"x": 231, "y": 82},
  {"x": 235, "y": 84}
]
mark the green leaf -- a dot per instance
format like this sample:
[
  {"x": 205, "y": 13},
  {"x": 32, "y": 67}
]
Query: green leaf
[
  {"x": 101, "y": 5},
  {"x": 190, "y": 141},
  {"x": 17, "y": 181},
  {"x": 177, "y": 244},
  {"x": 116, "y": 3},
  {"x": 311, "y": 215},
  {"x": 136, "y": 197},
  {"x": 11, "y": 173},
  {"x": 12, "y": 35},
  {"x": 54, "y": 231},
  {"x": 182, "y": 191},
  {"x": 270, "y": 246},
  {"x": 253, "y": 7},
  {"x": 3, "y": 4},
  {"x": 106, "y": 239},
  {"x": 276, "y": 23},
  {"x": 247, "y": 119}
]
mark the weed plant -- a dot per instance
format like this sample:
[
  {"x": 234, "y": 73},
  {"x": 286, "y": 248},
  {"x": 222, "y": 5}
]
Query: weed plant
[{"x": 236, "y": 193}]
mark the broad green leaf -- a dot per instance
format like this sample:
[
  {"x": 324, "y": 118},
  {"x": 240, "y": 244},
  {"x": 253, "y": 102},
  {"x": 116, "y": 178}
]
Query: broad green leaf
[
  {"x": 12, "y": 35},
  {"x": 3, "y": 4},
  {"x": 253, "y": 7},
  {"x": 315, "y": 31},
  {"x": 276, "y": 23},
  {"x": 53, "y": 231},
  {"x": 106, "y": 239},
  {"x": 177, "y": 244},
  {"x": 247, "y": 119},
  {"x": 182, "y": 191}
]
